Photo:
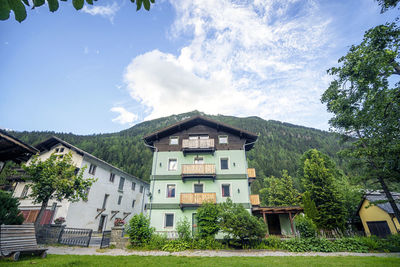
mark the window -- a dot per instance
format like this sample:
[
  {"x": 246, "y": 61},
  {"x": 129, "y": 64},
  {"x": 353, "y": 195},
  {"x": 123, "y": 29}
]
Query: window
[
  {"x": 198, "y": 160},
  {"x": 24, "y": 191},
  {"x": 171, "y": 190},
  {"x": 133, "y": 203},
  {"x": 92, "y": 169},
  {"x": 61, "y": 150},
  {"x": 76, "y": 171},
  {"x": 224, "y": 163},
  {"x": 112, "y": 177},
  {"x": 198, "y": 188},
  {"x": 226, "y": 190},
  {"x": 174, "y": 140},
  {"x": 121, "y": 183},
  {"x": 172, "y": 164},
  {"x": 133, "y": 186},
  {"x": 105, "y": 201},
  {"x": 223, "y": 139},
  {"x": 141, "y": 189},
  {"x": 61, "y": 156},
  {"x": 57, "y": 149},
  {"x": 169, "y": 220},
  {"x": 119, "y": 200},
  {"x": 194, "y": 137}
]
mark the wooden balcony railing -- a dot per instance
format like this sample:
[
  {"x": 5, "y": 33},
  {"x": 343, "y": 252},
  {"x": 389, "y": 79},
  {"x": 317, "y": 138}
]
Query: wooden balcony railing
[
  {"x": 251, "y": 172},
  {"x": 255, "y": 200},
  {"x": 198, "y": 170},
  {"x": 198, "y": 145},
  {"x": 196, "y": 199}
]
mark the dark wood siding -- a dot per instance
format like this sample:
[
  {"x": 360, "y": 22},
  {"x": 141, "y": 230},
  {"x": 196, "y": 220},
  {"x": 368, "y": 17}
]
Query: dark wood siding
[{"x": 234, "y": 141}]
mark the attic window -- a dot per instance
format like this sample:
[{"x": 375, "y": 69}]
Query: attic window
[
  {"x": 223, "y": 139},
  {"x": 174, "y": 140},
  {"x": 61, "y": 150}
]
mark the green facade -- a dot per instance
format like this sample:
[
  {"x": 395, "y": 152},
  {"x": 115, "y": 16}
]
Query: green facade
[{"x": 235, "y": 176}]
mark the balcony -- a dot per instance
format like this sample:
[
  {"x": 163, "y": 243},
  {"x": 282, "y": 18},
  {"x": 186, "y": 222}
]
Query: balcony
[
  {"x": 255, "y": 200},
  {"x": 197, "y": 145},
  {"x": 251, "y": 174},
  {"x": 196, "y": 199},
  {"x": 198, "y": 171}
]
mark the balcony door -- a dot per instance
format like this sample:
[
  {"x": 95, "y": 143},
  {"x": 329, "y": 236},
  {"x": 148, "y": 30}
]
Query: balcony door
[{"x": 198, "y": 160}]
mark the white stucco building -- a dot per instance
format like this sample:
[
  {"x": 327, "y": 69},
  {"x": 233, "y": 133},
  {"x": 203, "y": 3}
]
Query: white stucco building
[{"x": 115, "y": 194}]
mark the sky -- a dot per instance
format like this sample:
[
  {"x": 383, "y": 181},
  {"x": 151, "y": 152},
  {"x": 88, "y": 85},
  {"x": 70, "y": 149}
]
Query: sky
[{"x": 107, "y": 67}]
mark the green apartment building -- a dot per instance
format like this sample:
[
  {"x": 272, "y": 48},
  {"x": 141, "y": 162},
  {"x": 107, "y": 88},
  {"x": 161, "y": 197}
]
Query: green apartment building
[{"x": 197, "y": 160}]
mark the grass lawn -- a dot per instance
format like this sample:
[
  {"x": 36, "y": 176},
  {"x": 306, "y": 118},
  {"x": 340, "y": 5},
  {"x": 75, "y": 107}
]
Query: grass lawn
[{"x": 99, "y": 261}]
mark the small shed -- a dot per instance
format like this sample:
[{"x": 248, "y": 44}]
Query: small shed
[{"x": 278, "y": 219}]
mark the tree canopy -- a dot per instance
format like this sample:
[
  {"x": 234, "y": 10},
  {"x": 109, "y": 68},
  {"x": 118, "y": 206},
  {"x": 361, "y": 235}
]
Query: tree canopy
[
  {"x": 280, "y": 191},
  {"x": 9, "y": 213},
  {"x": 19, "y": 6},
  {"x": 56, "y": 178},
  {"x": 364, "y": 98}
]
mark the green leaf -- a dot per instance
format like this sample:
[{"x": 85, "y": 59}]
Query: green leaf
[
  {"x": 19, "y": 9},
  {"x": 4, "y": 10},
  {"x": 138, "y": 4},
  {"x": 78, "y": 4},
  {"x": 37, "y": 3},
  {"x": 146, "y": 4},
  {"x": 90, "y": 2},
  {"x": 53, "y": 5}
]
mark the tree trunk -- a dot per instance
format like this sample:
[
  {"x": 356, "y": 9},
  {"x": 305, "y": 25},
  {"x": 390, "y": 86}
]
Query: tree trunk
[
  {"x": 390, "y": 198},
  {"x": 41, "y": 212}
]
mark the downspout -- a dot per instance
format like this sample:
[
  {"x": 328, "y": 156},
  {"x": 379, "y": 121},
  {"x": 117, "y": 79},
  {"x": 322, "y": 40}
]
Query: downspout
[{"x": 152, "y": 176}]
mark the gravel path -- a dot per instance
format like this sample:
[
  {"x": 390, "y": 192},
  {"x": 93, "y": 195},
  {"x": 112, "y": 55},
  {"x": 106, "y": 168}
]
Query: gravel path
[{"x": 204, "y": 253}]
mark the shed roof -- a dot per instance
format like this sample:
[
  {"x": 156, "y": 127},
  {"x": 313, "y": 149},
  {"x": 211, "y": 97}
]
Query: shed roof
[
  {"x": 14, "y": 149},
  {"x": 193, "y": 121},
  {"x": 379, "y": 196}
]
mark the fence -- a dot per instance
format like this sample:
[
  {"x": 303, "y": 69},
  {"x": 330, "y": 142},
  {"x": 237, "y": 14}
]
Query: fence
[
  {"x": 105, "y": 239},
  {"x": 75, "y": 237}
]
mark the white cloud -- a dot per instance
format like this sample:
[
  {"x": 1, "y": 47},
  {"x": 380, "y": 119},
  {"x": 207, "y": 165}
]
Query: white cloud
[
  {"x": 124, "y": 117},
  {"x": 263, "y": 58},
  {"x": 107, "y": 11}
]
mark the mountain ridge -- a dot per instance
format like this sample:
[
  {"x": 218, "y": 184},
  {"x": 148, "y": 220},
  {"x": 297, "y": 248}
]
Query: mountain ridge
[{"x": 279, "y": 146}]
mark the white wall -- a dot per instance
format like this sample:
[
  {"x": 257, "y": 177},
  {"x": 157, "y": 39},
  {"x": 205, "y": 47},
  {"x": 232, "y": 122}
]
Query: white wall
[{"x": 83, "y": 214}]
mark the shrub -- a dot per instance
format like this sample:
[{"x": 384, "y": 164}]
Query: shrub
[
  {"x": 206, "y": 243},
  {"x": 208, "y": 220},
  {"x": 183, "y": 229},
  {"x": 392, "y": 243},
  {"x": 139, "y": 230},
  {"x": 305, "y": 226},
  {"x": 239, "y": 224},
  {"x": 9, "y": 213},
  {"x": 351, "y": 244},
  {"x": 176, "y": 245},
  {"x": 156, "y": 242},
  {"x": 273, "y": 242},
  {"x": 309, "y": 244}
]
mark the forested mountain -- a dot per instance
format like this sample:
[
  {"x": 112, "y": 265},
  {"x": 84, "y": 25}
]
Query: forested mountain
[{"x": 279, "y": 146}]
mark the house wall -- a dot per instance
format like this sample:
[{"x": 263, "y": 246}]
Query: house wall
[
  {"x": 374, "y": 213},
  {"x": 82, "y": 214}
]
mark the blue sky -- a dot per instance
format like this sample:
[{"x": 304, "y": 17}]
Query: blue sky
[{"x": 109, "y": 67}]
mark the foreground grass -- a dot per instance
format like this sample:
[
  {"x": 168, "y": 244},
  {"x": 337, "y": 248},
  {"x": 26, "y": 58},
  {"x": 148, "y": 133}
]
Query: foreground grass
[{"x": 75, "y": 260}]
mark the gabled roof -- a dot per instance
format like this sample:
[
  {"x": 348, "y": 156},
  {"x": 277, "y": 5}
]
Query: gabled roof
[
  {"x": 52, "y": 141},
  {"x": 378, "y": 196},
  {"x": 14, "y": 149},
  {"x": 196, "y": 120}
]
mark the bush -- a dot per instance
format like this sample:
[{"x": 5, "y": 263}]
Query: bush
[
  {"x": 305, "y": 226},
  {"x": 139, "y": 230},
  {"x": 309, "y": 244},
  {"x": 351, "y": 244},
  {"x": 176, "y": 245},
  {"x": 206, "y": 243},
  {"x": 183, "y": 229},
  {"x": 156, "y": 242},
  {"x": 239, "y": 224},
  {"x": 208, "y": 220},
  {"x": 9, "y": 213}
]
